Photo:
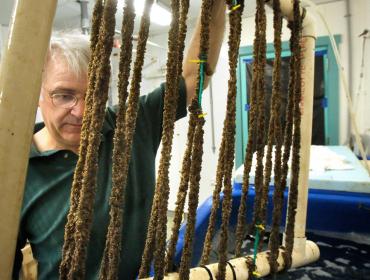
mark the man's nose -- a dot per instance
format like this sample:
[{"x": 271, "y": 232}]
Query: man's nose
[{"x": 78, "y": 109}]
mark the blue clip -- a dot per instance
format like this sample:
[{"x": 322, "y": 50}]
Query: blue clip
[{"x": 324, "y": 102}]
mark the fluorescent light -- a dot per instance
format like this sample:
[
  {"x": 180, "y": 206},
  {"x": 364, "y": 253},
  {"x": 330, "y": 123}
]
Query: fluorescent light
[{"x": 158, "y": 14}]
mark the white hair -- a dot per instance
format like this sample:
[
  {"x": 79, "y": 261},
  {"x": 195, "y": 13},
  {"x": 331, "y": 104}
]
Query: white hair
[{"x": 73, "y": 47}]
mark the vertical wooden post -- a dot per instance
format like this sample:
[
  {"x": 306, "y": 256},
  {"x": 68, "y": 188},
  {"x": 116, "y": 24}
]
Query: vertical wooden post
[{"x": 20, "y": 80}]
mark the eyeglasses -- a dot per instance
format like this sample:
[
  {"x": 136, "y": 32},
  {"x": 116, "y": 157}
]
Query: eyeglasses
[{"x": 64, "y": 100}]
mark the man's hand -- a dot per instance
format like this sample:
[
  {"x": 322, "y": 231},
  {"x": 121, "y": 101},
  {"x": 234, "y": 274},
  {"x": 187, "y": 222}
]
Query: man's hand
[{"x": 190, "y": 69}]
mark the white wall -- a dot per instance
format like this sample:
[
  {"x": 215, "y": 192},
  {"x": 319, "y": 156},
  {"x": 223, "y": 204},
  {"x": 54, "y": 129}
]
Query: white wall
[
  {"x": 335, "y": 14},
  {"x": 4, "y": 33},
  {"x": 361, "y": 20}
]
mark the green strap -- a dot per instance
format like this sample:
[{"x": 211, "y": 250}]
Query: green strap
[
  {"x": 256, "y": 242},
  {"x": 259, "y": 228},
  {"x": 201, "y": 80}
]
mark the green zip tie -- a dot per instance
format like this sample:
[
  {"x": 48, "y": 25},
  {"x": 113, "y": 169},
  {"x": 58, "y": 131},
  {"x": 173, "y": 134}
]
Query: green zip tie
[
  {"x": 256, "y": 242},
  {"x": 201, "y": 81}
]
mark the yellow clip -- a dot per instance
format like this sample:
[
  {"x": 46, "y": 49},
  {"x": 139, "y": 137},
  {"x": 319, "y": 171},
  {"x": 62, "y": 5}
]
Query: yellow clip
[
  {"x": 235, "y": 7},
  {"x": 260, "y": 226},
  {"x": 255, "y": 273},
  {"x": 202, "y": 115},
  {"x": 197, "y": 61}
]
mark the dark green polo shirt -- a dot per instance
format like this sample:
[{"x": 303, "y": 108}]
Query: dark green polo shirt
[{"x": 48, "y": 185}]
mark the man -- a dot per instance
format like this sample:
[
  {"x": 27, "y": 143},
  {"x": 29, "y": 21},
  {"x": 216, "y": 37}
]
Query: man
[{"x": 54, "y": 155}]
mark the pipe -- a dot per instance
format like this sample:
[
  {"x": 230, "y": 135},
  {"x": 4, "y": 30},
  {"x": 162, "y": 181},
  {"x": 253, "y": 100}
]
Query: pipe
[
  {"x": 308, "y": 61},
  {"x": 84, "y": 16},
  {"x": 308, "y": 51},
  {"x": 308, "y": 56},
  {"x": 20, "y": 81},
  {"x": 240, "y": 268}
]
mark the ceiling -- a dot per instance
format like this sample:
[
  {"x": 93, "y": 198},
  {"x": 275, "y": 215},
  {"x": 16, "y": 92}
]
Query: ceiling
[{"x": 68, "y": 13}]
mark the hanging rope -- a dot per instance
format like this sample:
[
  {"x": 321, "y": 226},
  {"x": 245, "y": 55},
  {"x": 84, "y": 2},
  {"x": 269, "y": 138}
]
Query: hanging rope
[
  {"x": 83, "y": 214},
  {"x": 185, "y": 171},
  {"x": 156, "y": 236},
  {"x": 235, "y": 18},
  {"x": 69, "y": 244},
  {"x": 250, "y": 266},
  {"x": 257, "y": 221},
  {"x": 197, "y": 152},
  {"x": 226, "y": 154},
  {"x": 169, "y": 117},
  {"x": 216, "y": 193},
  {"x": 260, "y": 128},
  {"x": 274, "y": 131},
  {"x": 87, "y": 195},
  {"x": 293, "y": 188},
  {"x": 279, "y": 188},
  {"x": 215, "y": 203},
  {"x": 197, "y": 117},
  {"x": 253, "y": 118},
  {"x": 121, "y": 151},
  {"x": 181, "y": 196}
]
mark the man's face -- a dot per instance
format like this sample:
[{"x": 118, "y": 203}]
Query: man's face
[{"x": 63, "y": 123}]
